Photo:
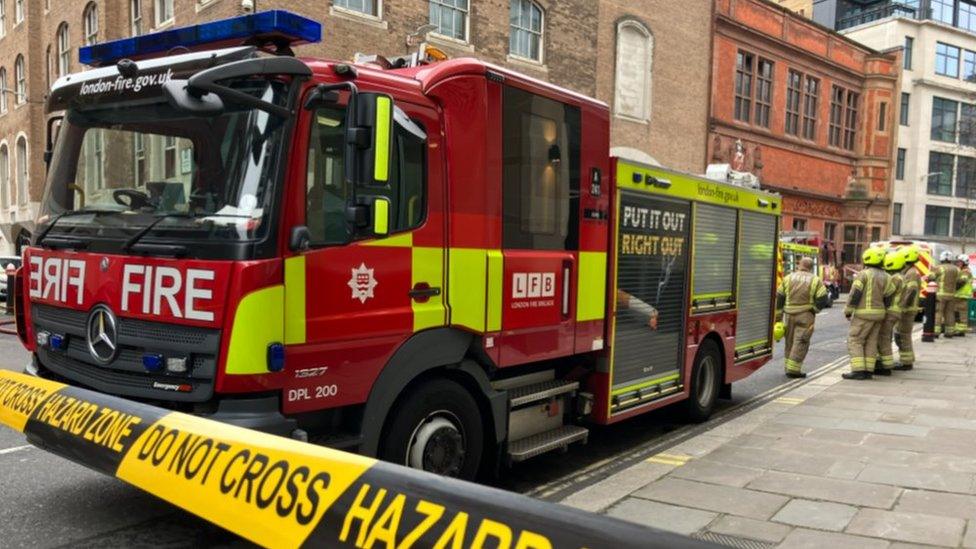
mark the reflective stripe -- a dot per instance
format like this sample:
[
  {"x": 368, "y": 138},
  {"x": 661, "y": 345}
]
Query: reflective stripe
[
  {"x": 382, "y": 150},
  {"x": 295, "y": 315},
  {"x": 427, "y": 266},
  {"x": 258, "y": 322},
  {"x": 591, "y": 289}
]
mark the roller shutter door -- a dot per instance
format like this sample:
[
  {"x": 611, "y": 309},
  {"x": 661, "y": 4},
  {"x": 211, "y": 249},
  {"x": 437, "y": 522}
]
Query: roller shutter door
[
  {"x": 757, "y": 258},
  {"x": 714, "y": 268}
]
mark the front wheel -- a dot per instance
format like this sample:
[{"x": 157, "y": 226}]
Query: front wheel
[
  {"x": 436, "y": 427},
  {"x": 705, "y": 382}
]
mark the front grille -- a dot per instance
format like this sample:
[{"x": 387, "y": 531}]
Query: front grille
[{"x": 125, "y": 375}]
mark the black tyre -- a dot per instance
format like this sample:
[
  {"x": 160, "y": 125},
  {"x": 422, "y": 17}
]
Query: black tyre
[
  {"x": 706, "y": 380},
  {"x": 436, "y": 427}
]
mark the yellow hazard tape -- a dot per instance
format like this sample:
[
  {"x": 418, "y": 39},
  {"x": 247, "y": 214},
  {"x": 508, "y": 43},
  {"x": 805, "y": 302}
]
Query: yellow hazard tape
[{"x": 279, "y": 492}]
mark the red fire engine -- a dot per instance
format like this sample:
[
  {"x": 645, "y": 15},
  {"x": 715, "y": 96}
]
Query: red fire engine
[{"x": 437, "y": 263}]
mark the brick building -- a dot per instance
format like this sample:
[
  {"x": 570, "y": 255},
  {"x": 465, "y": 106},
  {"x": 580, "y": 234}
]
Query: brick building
[
  {"x": 648, "y": 59},
  {"x": 812, "y": 114}
]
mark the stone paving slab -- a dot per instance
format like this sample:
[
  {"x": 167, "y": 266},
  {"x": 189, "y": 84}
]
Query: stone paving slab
[
  {"x": 908, "y": 527},
  {"x": 821, "y": 515},
  {"x": 662, "y": 516},
  {"x": 862, "y": 494},
  {"x": 802, "y": 538},
  {"x": 937, "y": 503},
  {"x": 748, "y": 528},
  {"x": 712, "y": 472},
  {"x": 909, "y": 477},
  {"x": 712, "y": 497}
]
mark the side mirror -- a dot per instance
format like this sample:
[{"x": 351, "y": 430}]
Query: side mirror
[
  {"x": 381, "y": 216},
  {"x": 300, "y": 239},
  {"x": 370, "y": 136}
]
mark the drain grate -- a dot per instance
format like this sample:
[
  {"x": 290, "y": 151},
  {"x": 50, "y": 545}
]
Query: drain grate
[{"x": 733, "y": 541}]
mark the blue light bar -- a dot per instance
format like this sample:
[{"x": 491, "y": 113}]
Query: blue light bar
[{"x": 267, "y": 26}]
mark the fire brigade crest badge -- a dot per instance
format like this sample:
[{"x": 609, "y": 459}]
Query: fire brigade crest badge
[{"x": 362, "y": 283}]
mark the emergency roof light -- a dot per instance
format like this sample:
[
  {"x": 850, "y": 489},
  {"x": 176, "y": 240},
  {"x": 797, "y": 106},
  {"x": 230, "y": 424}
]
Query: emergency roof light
[{"x": 278, "y": 27}]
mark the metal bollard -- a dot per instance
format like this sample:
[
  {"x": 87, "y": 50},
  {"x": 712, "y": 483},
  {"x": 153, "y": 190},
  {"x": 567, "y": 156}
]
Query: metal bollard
[{"x": 928, "y": 327}]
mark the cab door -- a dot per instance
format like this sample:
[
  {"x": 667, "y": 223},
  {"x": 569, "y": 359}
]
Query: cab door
[{"x": 353, "y": 297}]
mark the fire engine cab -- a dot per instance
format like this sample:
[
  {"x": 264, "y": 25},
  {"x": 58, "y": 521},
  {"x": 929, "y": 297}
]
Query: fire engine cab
[{"x": 437, "y": 263}]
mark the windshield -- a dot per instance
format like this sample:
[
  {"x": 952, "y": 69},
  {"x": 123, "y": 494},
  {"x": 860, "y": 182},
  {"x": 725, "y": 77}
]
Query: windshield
[{"x": 146, "y": 168}]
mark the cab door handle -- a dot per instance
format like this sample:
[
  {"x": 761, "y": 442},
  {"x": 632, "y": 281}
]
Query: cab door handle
[{"x": 422, "y": 292}]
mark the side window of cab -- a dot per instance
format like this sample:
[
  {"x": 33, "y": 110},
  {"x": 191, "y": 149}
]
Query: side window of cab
[{"x": 328, "y": 194}]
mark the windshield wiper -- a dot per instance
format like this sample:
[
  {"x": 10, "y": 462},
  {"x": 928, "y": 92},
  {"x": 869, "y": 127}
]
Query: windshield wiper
[
  {"x": 143, "y": 231},
  {"x": 67, "y": 213}
]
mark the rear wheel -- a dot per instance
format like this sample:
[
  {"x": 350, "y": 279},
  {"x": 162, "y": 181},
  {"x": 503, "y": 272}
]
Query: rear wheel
[
  {"x": 436, "y": 427},
  {"x": 705, "y": 382}
]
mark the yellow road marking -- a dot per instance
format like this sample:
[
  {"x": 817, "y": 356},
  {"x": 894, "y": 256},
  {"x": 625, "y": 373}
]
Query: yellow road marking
[
  {"x": 669, "y": 459},
  {"x": 793, "y": 401}
]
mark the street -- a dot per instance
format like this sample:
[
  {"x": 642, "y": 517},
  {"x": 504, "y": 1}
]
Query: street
[{"x": 51, "y": 502}]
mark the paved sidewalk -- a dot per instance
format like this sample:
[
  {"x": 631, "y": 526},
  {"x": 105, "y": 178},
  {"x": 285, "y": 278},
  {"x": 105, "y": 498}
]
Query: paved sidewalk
[{"x": 889, "y": 462}]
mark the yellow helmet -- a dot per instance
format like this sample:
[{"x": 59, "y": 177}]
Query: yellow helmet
[
  {"x": 873, "y": 257},
  {"x": 894, "y": 261},
  {"x": 910, "y": 253},
  {"x": 779, "y": 330}
]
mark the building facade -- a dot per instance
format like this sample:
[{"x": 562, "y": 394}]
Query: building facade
[
  {"x": 935, "y": 176},
  {"x": 812, "y": 115},
  {"x": 649, "y": 60}
]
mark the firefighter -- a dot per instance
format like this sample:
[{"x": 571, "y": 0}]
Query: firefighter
[
  {"x": 946, "y": 275},
  {"x": 894, "y": 263},
  {"x": 908, "y": 303},
  {"x": 798, "y": 300},
  {"x": 963, "y": 294},
  {"x": 870, "y": 296}
]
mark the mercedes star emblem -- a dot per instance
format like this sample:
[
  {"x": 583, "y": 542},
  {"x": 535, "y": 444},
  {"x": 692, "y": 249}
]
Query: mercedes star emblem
[{"x": 101, "y": 334}]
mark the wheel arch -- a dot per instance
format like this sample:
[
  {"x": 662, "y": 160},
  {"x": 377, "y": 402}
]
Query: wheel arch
[{"x": 419, "y": 358}]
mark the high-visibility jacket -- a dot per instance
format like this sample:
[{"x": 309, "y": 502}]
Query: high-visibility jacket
[
  {"x": 911, "y": 291},
  {"x": 966, "y": 279},
  {"x": 870, "y": 294},
  {"x": 801, "y": 291},
  {"x": 895, "y": 305},
  {"x": 946, "y": 275}
]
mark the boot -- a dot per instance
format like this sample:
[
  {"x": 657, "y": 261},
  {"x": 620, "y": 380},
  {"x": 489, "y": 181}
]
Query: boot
[
  {"x": 796, "y": 375},
  {"x": 903, "y": 367},
  {"x": 861, "y": 374},
  {"x": 882, "y": 372}
]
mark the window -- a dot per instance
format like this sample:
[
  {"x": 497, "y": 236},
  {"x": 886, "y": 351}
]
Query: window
[
  {"x": 163, "y": 11},
  {"x": 854, "y": 241},
  {"x": 169, "y": 157},
  {"x": 944, "y": 119},
  {"x": 799, "y": 224},
  {"x": 743, "y": 86},
  {"x": 450, "y": 17},
  {"x": 941, "y": 172},
  {"x": 18, "y": 11},
  {"x": 850, "y": 120},
  {"x": 764, "y": 92},
  {"x": 20, "y": 81},
  {"x": 91, "y": 23},
  {"x": 368, "y": 7},
  {"x": 47, "y": 66},
  {"x": 135, "y": 17},
  {"x": 969, "y": 66},
  {"x": 326, "y": 192},
  {"x": 632, "y": 79},
  {"x": 875, "y": 234},
  {"x": 905, "y": 101},
  {"x": 811, "y": 102},
  {"x": 525, "y": 34},
  {"x": 963, "y": 223},
  {"x": 882, "y": 115},
  {"x": 942, "y": 11},
  {"x": 946, "y": 60},
  {"x": 836, "y": 115},
  {"x": 967, "y": 124},
  {"x": 909, "y": 47},
  {"x": 139, "y": 166},
  {"x": 966, "y": 177},
  {"x": 22, "y": 170},
  {"x": 3, "y": 18},
  {"x": 830, "y": 231},
  {"x": 896, "y": 218},
  {"x": 937, "y": 220},
  {"x": 967, "y": 16},
  {"x": 900, "y": 165},
  {"x": 64, "y": 50},
  {"x": 3, "y": 90},
  {"x": 4, "y": 176},
  {"x": 540, "y": 163},
  {"x": 794, "y": 83}
]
